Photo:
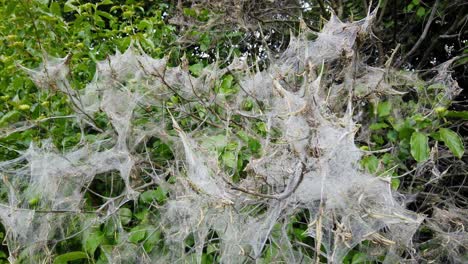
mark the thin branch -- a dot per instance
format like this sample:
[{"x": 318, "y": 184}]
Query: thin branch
[
  {"x": 423, "y": 35},
  {"x": 280, "y": 196}
]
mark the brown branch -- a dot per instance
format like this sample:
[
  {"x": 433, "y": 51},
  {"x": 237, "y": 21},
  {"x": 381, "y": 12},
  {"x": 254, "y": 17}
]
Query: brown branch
[{"x": 280, "y": 196}]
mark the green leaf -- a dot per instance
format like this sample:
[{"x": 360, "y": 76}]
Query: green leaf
[
  {"x": 92, "y": 241},
  {"x": 217, "y": 142},
  {"x": 226, "y": 84},
  {"x": 125, "y": 215},
  {"x": 11, "y": 116},
  {"x": 137, "y": 234},
  {"x": 34, "y": 201},
  {"x": 242, "y": 135},
  {"x": 453, "y": 141},
  {"x": 378, "y": 126},
  {"x": 161, "y": 195},
  {"x": 157, "y": 195},
  {"x": 190, "y": 12},
  {"x": 69, "y": 7},
  {"x": 229, "y": 159},
  {"x": 205, "y": 42},
  {"x": 421, "y": 11},
  {"x": 102, "y": 259},
  {"x": 141, "y": 214},
  {"x": 232, "y": 146},
  {"x": 204, "y": 15},
  {"x": 262, "y": 128},
  {"x": 405, "y": 129},
  {"x": 359, "y": 257},
  {"x": 392, "y": 135},
  {"x": 11, "y": 7},
  {"x": 153, "y": 238},
  {"x": 383, "y": 109},
  {"x": 395, "y": 183},
  {"x": 104, "y": 14},
  {"x": 106, "y": 2},
  {"x": 123, "y": 43},
  {"x": 370, "y": 163},
  {"x": 55, "y": 9},
  {"x": 247, "y": 105},
  {"x": 419, "y": 146},
  {"x": 70, "y": 256},
  {"x": 457, "y": 114},
  {"x": 254, "y": 145},
  {"x": 43, "y": 2},
  {"x": 110, "y": 230},
  {"x": 144, "y": 24},
  {"x": 196, "y": 69}
]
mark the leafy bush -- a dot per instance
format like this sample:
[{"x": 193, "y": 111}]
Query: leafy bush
[{"x": 136, "y": 131}]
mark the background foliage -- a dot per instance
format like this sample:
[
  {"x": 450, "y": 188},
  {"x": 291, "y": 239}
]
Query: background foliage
[{"x": 199, "y": 32}]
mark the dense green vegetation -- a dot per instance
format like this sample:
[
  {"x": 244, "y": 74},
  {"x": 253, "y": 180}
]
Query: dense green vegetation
[{"x": 425, "y": 137}]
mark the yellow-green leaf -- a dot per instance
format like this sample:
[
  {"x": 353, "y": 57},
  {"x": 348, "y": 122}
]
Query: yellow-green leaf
[
  {"x": 395, "y": 183},
  {"x": 229, "y": 159}
]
